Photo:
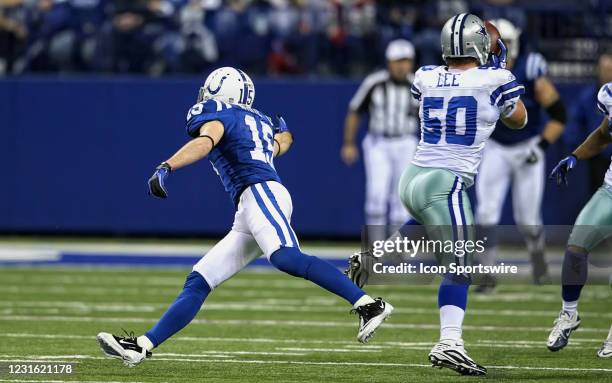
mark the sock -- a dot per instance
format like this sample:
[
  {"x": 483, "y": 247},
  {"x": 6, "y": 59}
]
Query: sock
[
  {"x": 570, "y": 307},
  {"x": 451, "y": 320},
  {"x": 573, "y": 275},
  {"x": 454, "y": 291},
  {"x": 145, "y": 343},
  {"x": 364, "y": 300},
  {"x": 293, "y": 262},
  {"x": 452, "y": 301},
  {"x": 182, "y": 311}
]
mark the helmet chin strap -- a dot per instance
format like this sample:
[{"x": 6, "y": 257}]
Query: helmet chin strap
[{"x": 480, "y": 56}]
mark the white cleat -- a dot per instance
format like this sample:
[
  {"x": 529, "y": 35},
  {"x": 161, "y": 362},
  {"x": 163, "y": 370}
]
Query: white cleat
[
  {"x": 124, "y": 348},
  {"x": 562, "y": 329},
  {"x": 606, "y": 349},
  {"x": 371, "y": 316},
  {"x": 451, "y": 354}
]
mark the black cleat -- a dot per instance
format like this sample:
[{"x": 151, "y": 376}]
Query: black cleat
[
  {"x": 370, "y": 317},
  {"x": 124, "y": 348}
]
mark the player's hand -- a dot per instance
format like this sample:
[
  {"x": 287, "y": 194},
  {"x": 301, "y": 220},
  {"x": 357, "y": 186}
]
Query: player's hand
[
  {"x": 349, "y": 154},
  {"x": 157, "y": 180},
  {"x": 499, "y": 60},
  {"x": 563, "y": 167},
  {"x": 280, "y": 125}
]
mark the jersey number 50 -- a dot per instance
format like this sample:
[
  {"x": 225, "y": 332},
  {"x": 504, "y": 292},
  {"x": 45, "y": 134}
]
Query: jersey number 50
[{"x": 432, "y": 126}]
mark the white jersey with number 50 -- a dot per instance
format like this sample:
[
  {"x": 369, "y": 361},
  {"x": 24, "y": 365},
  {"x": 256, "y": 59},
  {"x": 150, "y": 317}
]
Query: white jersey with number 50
[{"x": 458, "y": 112}]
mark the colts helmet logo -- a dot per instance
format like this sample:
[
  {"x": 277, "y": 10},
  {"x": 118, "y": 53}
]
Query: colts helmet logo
[{"x": 215, "y": 91}]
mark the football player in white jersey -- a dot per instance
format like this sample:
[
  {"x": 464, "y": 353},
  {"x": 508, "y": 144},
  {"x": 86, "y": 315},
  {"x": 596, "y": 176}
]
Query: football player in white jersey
[
  {"x": 459, "y": 106},
  {"x": 460, "y": 103},
  {"x": 593, "y": 225}
]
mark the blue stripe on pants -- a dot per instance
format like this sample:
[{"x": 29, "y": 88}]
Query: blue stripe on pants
[
  {"x": 268, "y": 215},
  {"x": 270, "y": 195}
]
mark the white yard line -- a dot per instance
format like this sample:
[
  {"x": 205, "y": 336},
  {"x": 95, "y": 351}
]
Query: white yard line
[
  {"x": 515, "y": 343},
  {"x": 254, "y": 306},
  {"x": 364, "y": 364},
  {"x": 270, "y": 322}
]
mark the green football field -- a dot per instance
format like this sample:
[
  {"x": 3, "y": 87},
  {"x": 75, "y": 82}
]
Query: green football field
[{"x": 263, "y": 326}]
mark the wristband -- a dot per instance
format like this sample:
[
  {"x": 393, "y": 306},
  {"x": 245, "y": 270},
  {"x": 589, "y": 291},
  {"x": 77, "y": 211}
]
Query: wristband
[{"x": 165, "y": 165}]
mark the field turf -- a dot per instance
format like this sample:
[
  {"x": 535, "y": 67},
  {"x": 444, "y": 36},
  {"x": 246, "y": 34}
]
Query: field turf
[{"x": 264, "y": 326}]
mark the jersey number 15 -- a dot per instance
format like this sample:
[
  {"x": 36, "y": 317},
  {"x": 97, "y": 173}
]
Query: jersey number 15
[
  {"x": 262, "y": 135},
  {"x": 433, "y": 127}
]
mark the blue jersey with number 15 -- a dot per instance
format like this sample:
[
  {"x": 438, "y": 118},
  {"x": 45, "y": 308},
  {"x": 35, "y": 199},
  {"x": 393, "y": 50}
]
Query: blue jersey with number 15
[{"x": 243, "y": 157}]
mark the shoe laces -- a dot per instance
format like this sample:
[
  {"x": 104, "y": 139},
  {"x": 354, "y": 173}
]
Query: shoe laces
[
  {"x": 129, "y": 335},
  {"x": 364, "y": 310},
  {"x": 561, "y": 323}
]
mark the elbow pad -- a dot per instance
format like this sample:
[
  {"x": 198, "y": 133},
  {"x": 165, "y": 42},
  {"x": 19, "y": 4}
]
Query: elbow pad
[{"x": 556, "y": 112}]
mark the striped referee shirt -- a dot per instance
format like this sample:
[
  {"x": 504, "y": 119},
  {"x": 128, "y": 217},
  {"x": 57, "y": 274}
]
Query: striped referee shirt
[{"x": 393, "y": 111}]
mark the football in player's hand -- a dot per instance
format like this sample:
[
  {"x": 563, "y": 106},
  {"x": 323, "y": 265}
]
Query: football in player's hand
[{"x": 493, "y": 35}]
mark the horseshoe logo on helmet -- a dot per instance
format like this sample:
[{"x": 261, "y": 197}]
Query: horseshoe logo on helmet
[{"x": 215, "y": 91}]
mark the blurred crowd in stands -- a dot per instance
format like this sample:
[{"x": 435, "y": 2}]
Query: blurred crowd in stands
[{"x": 273, "y": 37}]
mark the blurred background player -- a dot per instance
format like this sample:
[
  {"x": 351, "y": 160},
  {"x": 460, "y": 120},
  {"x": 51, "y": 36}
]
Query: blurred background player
[
  {"x": 583, "y": 115},
  {"x": 240, "y": 143},
  {"x": 593, "y": 225},
  {"x": 517, "y": 159},
  {"x": 390, "y": 143},
  {"x": 459, "y": 106}
]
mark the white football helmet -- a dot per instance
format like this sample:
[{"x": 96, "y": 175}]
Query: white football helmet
[
  {"x": 510, "y": 34},
  {"x": 230, "y": 85}
]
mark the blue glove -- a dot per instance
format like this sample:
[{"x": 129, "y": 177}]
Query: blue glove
[
  {"x": 563, "y": 167},
  {"x": 499, "y": 60},
  {"x": 280, "y": 125},
  {"x": 156, "y": 182}
]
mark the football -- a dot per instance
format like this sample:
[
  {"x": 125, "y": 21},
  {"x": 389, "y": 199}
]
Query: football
[{"x": 493, "y": 33}]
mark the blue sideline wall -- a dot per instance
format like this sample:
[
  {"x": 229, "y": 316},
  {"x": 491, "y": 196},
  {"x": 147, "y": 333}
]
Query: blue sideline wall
[{"x": 75, "y": 155}]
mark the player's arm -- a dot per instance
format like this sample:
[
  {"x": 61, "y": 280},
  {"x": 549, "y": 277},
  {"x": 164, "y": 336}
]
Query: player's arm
[
  {"x": 349, "y": 151},
  {"x": 547, "y": 96},
  {"x": 515, "y": 117},
  {"x": 211, "y": 133},
  {"x": 282, "y": 143},
  {"x": 595, "y": 143},
  {"x": 282, "y": 136}
]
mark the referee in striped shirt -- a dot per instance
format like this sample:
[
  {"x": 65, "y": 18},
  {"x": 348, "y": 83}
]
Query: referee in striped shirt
[{"x": 391, "y": 140}]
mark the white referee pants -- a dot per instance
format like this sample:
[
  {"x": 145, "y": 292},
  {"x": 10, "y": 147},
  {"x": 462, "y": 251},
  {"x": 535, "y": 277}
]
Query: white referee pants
[
  {"x": 261, "y": 225},
  {"x": 385, "y": 160},
  {"x": 505, "y": 165}
]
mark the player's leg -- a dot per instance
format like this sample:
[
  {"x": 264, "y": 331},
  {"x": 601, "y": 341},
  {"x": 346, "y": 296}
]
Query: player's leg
[
  {"x": 591, "y": 227},
  {"x": 402, "y": 153},
  {"x": 527, "y": 193},
  {"x": 491, "y": 189},
  {"x": 378, "y": 173},
  {"x": 269, "y": 207},
  {"x": 437, "y": 197},
  {"x": 224, "y": 260}
]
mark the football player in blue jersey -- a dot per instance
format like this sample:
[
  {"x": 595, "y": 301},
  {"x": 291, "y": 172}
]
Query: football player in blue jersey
[
  {"x": 518, "y": 158},
  {"x": 241, "y": 143}
]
